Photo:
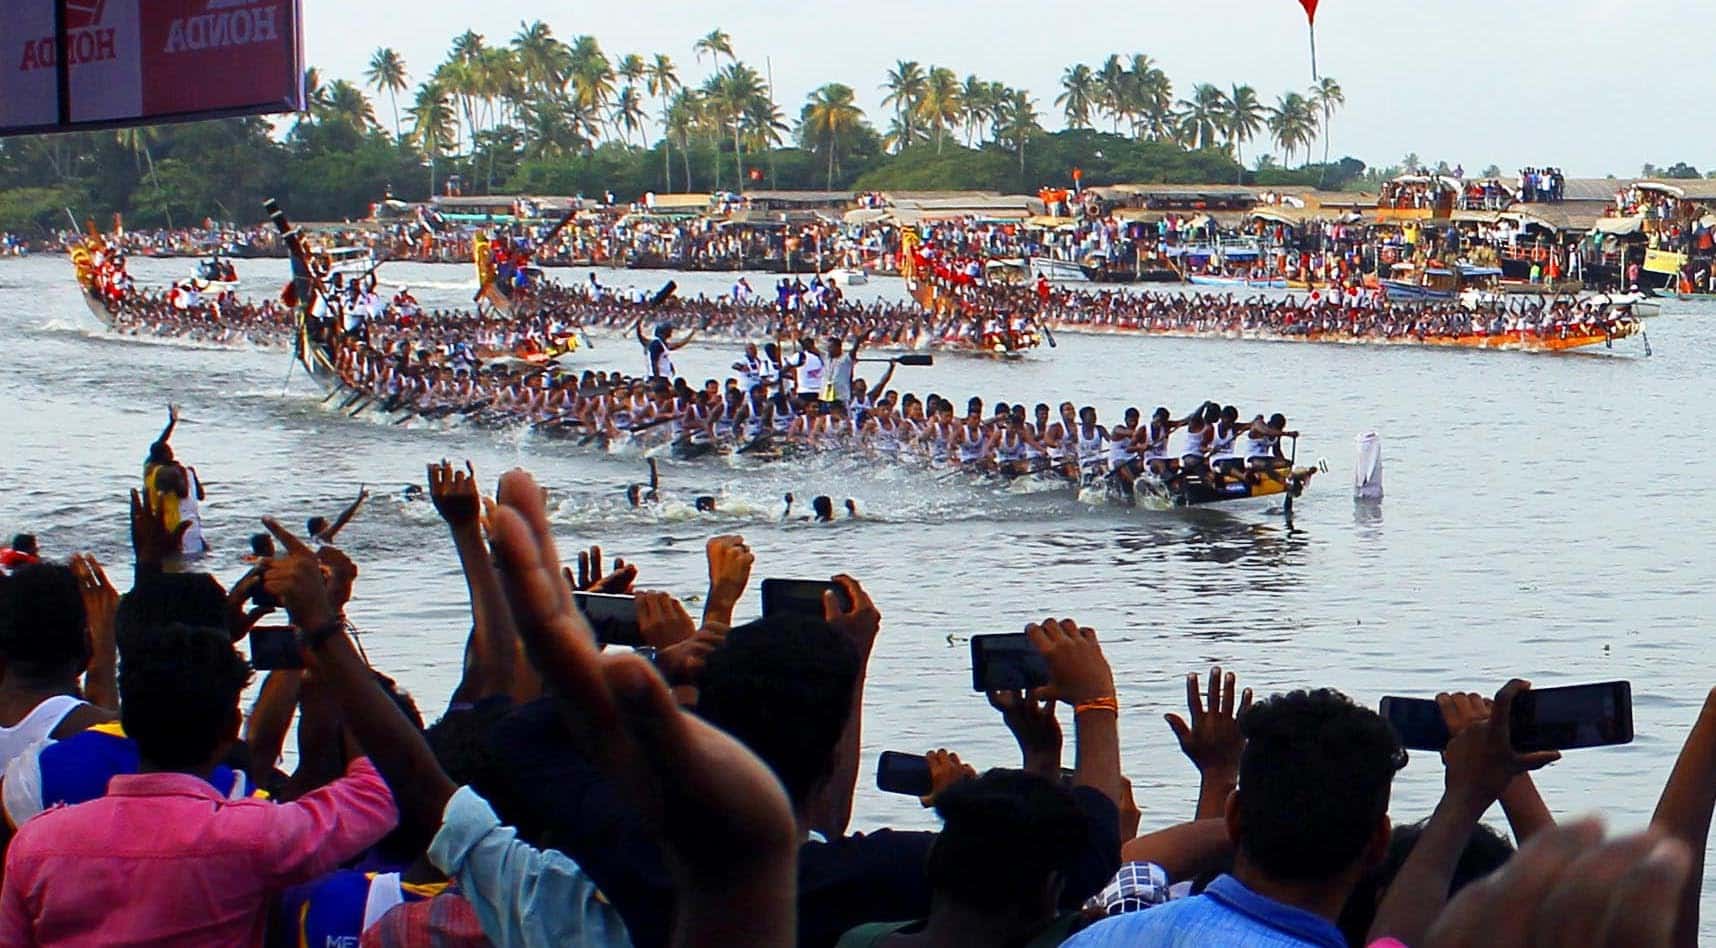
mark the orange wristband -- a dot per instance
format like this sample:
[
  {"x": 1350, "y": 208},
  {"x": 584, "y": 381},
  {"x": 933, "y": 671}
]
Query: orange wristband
[{"x": 1097, "y": 704}]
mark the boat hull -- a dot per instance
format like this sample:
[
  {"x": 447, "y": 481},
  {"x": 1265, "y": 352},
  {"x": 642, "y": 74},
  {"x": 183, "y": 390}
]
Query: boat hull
[
  {"x": 1198, "y": 279},
  {"x": 1508, "y": 341}
]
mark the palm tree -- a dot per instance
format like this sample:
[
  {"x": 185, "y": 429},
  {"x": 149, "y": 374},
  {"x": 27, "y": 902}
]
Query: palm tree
[
  {"x": 628, "y": 113},
  {"x": 552, "y": 130},
  {"x": 905, "y": 85},
  {"x": 543, "y": 61},
  {"x": 1113, "y": 90},
  {"x": 764, "y": 124},
  {"x": 348, "y": 106},
  {"x": 1245, "y": 117},
  {"x": 976, "y": 104},
  {"x": 661, "y": 79},
  {"x": 1079, "y": 94},
  {"x": 591, "y": 75},
  {"x": 732, "y": 90},
  {"x": 434, "y": 124},
  {"x": 1017, "y": 122},
  {"x": 1152, "y": 97},
  {"x": 1292, "y": 123},
  {"x": 680, "y": 120},
  {"x": 315, "y": 95},
  {"x": 939, "y": 107},
  {"x": 1326, "y": 97},
  {"x": 1202, "y": 116},
  {"x": 830, "y": 113},
  {"x": 387, "y": 74},
  {"x": 631, "y": 68},
  {"x": 466, "y": 46},
  {"x": 717, "y": 44}
]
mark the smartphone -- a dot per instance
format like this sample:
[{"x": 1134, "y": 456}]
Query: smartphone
[
  {"x": 1007, "y": 662},
  {"x": 273, "y": 647},
  {"x": 801, "y": 597},
  {"x": 1576, "y": 716},
  {"x": 614, "y": 618},
  {"x": 1417, "y": 722},
  {"x": 903, "y": 773}
]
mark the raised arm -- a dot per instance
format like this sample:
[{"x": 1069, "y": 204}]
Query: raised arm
[
  {"x": 172, "y": 422},
  {"x": 1212, "y": 740},
  {"x": 692, "y": 334},
  {"x": 491, "y": 658},
  {"x": 345, "y": 516},
  {"x": 860, "y": 625},
  {"x": 1079, "y": 675},
  {"x": 101, "y": 606},
  {"x": 1683, "y": 813}
]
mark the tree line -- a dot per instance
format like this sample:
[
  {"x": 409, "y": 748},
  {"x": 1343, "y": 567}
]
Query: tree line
[{"x": 538, "y": 114}]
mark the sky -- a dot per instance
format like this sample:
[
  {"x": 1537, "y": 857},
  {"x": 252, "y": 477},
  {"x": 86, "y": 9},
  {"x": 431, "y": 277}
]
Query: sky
[{"x": 1594, "y": 87}]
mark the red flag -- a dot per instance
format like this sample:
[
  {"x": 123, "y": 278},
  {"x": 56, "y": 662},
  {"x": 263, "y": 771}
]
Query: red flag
[{"x": 1310, "y": 10}]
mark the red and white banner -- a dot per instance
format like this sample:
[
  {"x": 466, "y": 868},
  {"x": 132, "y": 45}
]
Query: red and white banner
[{"x": 138, "y": 62}]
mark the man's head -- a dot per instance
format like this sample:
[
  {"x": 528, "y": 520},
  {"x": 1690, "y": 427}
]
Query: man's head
[
  {"x": 1008, "y": 841},
  {"x": 178, "y": 695},
  {"x": 315, "y": 525},
  {"x": 1314, "y": 782},
  {"x": 25, "y": 543},
  {"x": 160, "y": 453},
  {"x": 44, "y": 632},
  {"x": 824, "y": 508},
  {"x": 155, "y": 601},
  {"x": 783, "y": 687}
]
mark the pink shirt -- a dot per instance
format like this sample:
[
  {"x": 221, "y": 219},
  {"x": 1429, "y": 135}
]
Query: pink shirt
[{"x": 164, "y": 859}]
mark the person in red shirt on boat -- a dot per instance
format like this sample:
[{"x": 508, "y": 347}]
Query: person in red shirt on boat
[{"x": 21, "y": 553}]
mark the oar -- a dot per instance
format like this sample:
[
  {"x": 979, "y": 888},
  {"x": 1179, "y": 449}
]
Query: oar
[
  {"x": 1292, "y": 459},
  {"x": 910, "y": 358}
]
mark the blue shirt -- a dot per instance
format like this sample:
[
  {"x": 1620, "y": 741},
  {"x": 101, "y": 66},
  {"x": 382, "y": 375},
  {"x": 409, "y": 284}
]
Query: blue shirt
[
  {"x": 1227, "y": 914},
  {"x": 523, "y": 896}
]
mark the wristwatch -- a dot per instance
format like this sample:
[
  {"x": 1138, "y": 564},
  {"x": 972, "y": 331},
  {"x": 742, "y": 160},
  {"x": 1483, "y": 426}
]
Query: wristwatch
[{"x": 647, "y": 651}]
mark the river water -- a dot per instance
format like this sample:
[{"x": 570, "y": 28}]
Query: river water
[{"x": 1539, "y": 521}]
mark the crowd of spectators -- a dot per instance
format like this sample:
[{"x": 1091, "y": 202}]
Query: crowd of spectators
[{"x": 696, "y": 787}]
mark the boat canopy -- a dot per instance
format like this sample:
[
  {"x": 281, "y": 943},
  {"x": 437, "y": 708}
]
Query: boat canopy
[{"x": 1619, "y": 226}]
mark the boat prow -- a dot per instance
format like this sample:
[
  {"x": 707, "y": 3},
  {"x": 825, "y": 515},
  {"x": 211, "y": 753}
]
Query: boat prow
[
  {"x": 1194, "y": 490},
  {"x": 98, "y": 308}
]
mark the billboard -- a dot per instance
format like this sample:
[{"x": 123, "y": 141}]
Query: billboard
[{"x": 139, "y": 62}]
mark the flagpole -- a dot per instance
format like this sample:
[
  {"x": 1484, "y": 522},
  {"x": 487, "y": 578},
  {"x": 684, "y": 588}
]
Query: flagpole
[{"x": 1313, "y": 28}]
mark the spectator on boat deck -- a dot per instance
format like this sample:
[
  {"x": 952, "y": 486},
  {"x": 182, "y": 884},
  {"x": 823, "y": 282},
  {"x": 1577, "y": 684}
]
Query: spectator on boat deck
[
  {"x": 1309, "y": 818},
  {"x": 164, "y": 858}
]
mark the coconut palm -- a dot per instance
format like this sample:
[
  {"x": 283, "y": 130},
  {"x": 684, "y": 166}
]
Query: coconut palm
[
  {"x": 975, "y": 106},
  {"x": 348, "y": 106},
  {"x": 386, "y": 73},
  {"x": 1201, "y": 117},
  {"x": 1152, "y": 98},
  {"x": 829, "y": 114},
  {"x": 1245, "y": 117},
  {"x": 543, "y": 61},
  {"x": 591, "y": 76},
  {"x": 716, "y": 43},
  {"x": 628, "y": 116},
  {"x": 1293, "y": 124},
  {"x": 1326, "y": 97},
  {"x": 905, "y": 85},
  {"x": 939, "y": 107},
  {"x": 1079, "y": 95},
  {"x": 1017, "y": 122},
  {"x": 764, "y": 126},
  {"x": 661, "y": 79},
  {"x": 434, "y": 124},
  {"x": 680, "y": 121},
  {"x": 1113, "y": 91},
  {"x": 730, "y": 91}
]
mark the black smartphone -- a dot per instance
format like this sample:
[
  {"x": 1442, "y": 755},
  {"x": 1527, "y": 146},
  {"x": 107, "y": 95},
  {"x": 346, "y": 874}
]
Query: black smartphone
[
  {"x": 614, "y": 618},
  {"x": 273, "y": 647},
  {"x": 903, "y": 773},
  {"x": 800, "y": 596},
  {"x": 1007, "y": 662},
  {"x": 1417, "y": 722},
  {"x": 1599, "y": 715}
]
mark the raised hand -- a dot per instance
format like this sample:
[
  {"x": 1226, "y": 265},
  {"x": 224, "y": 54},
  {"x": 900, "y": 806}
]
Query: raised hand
[
  {"x": 945, "y": 769},
  {"x": 591, "y": 578},
  {"x": 151, "y": 541},
  {"x": 1035, "y": 727},
  {"x": 730, "y": 563},
  {"x": 455, "y": 494},
  {"x": 100, "y": 598},
  {"x": 861, "y": 623},
  {"x": 340, "y": 573},
  {"x": 1480, "y": 759},
  {"x": 726, "y": 829},
  {"x": 296, "y": 580},
  {"x": 1078, "y": 672},
  {"x": 662, "y": 620},
  {"x": 1212, "y": 740}
]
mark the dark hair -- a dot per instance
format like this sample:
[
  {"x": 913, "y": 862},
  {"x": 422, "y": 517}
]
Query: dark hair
[
  {"x": 1486, "y": 851},
  {"x": 165, "y": 598},
  {"x": 1314, "y": 781},
  {"x": 261, "y": 544},
  {"x": 1003, "y": 836},
  {"x": 43, "y": 628},
  {"x": 824, "y": 507},
  {"x": 315, "y": 526},
  {"x": 782, "y": 686},
  {"x": 25, "y": 543},
  {"x": 178, "y": 693}
]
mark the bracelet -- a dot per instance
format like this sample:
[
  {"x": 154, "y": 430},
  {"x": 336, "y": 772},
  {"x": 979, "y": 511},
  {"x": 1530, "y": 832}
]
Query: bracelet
[
  {"x": 1109, "y": 703},
  {"x": 318, "y": 637}
]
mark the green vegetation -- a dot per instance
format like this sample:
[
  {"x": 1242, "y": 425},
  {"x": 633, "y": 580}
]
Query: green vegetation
[{"x": 541, "y": 115}]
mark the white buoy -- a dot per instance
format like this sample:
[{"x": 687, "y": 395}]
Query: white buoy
[{"x": 1367, "y": 476}]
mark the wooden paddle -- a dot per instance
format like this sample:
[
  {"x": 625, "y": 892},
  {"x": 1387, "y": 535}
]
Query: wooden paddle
[{"x": 910, "y": 358}]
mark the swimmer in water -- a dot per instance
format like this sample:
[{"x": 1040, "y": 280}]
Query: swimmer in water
[{"x": 638, "y": 496}]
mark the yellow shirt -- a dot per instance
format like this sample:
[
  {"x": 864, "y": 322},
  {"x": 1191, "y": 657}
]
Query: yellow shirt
[{"x": 165, "y": 501}]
